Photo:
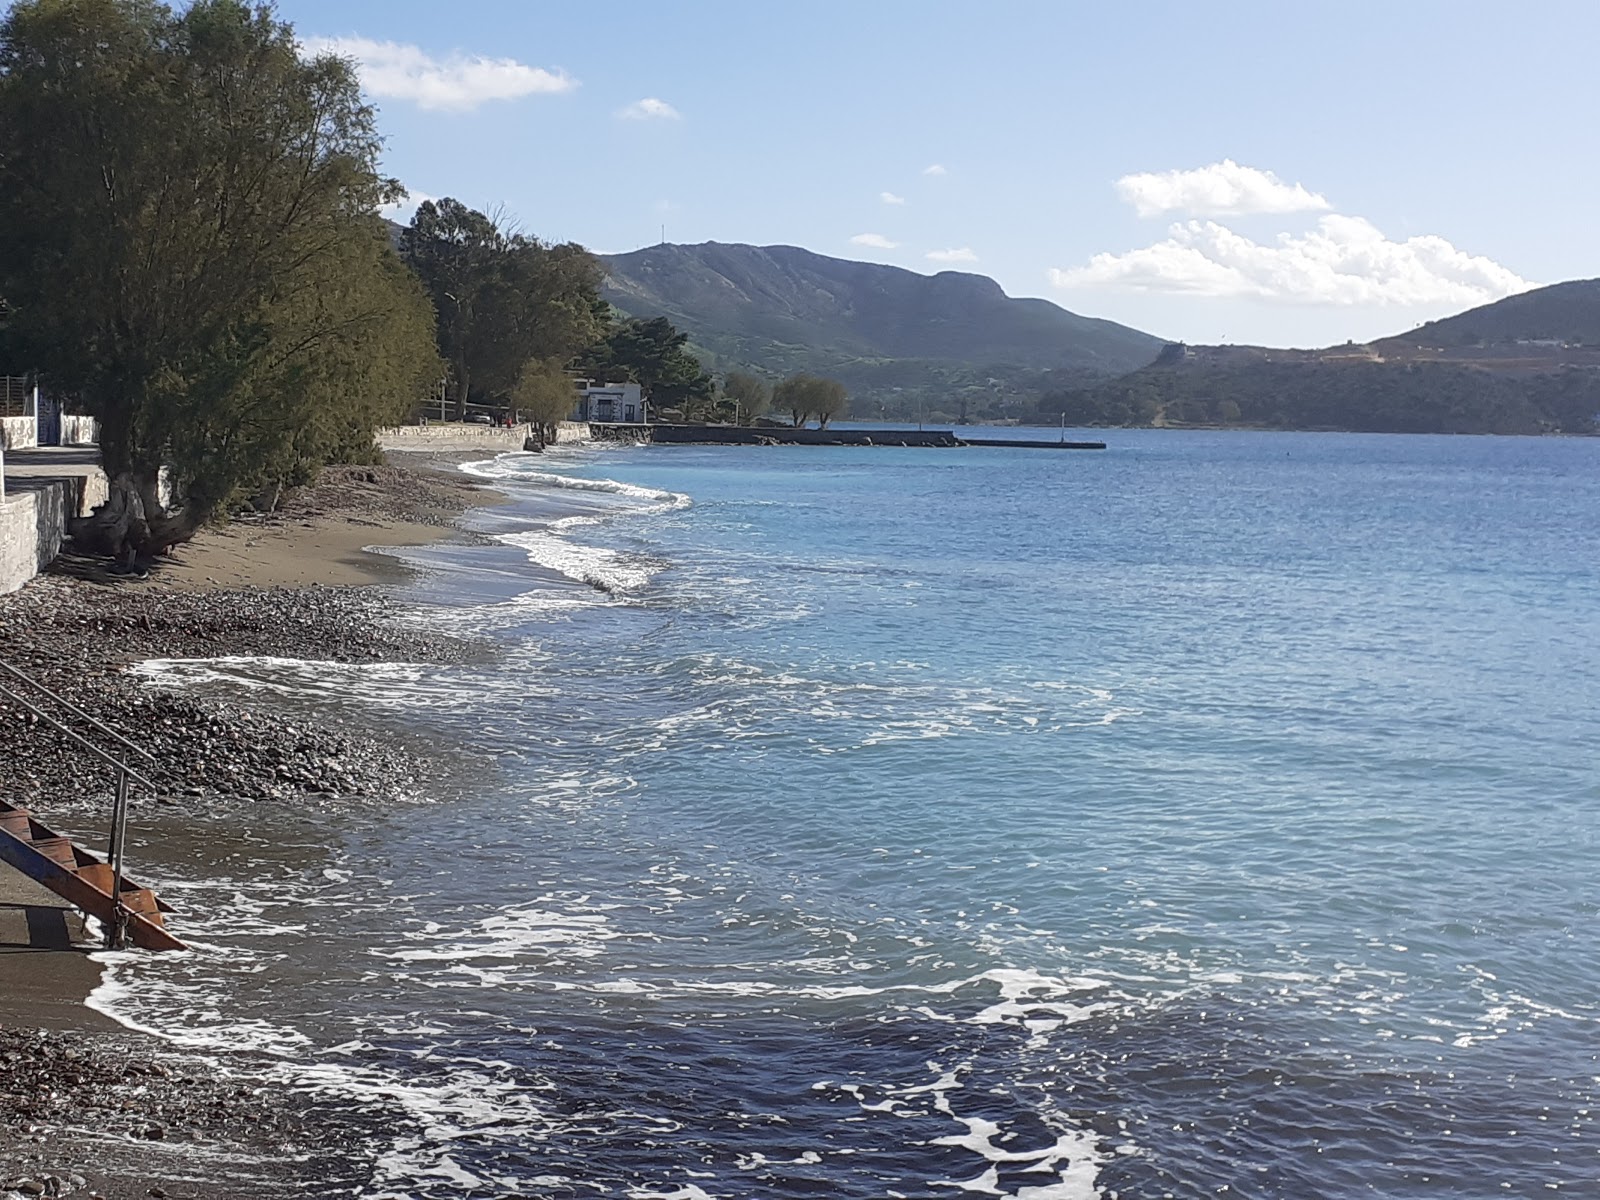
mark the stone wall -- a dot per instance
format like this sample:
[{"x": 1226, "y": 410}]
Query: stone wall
[
  {"x": 470, "y": 437},
  {"x": 452, "y": 437},
  {"x": 18, "y": 433},
  {"x": 79, "y": 431},
  {"x": 33, "y": 521}
]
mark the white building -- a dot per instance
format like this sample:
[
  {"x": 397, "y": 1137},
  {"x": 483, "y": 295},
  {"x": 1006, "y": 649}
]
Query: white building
[{"x": 610, "y": 403}]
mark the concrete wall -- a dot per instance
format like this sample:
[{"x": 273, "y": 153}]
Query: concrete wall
[
  {"x": 573, "y": 431},
  {"x": 18, "y": 433},
  {"x": 471, "y": 437},
  {"x": 33, "y": 522},
  {"x": 79, "y": 431},
  {"x": 452, "y": 437}
]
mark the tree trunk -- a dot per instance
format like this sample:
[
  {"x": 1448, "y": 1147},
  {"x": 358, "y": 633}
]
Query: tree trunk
[
  {"x": 132, "y": 524},
  {"x": 463, "y": 382}
]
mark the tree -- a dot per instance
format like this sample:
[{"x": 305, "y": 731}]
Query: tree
[
  {"x": 653, "y": 354},
  {"x": 190, "y": 247},
  {"x": 749, "y": 394},
  {"x": 500, "y": 297},
  {"x": 828, "y": 400},
  {"x": 544, "y": 395},
  {"x": 805, "y": 396},
  {"x": 792, "y": 396}
]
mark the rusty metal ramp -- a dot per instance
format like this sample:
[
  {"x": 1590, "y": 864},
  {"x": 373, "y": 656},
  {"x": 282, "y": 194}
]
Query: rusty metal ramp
[
  {"x": 83, "y": 880},
  {"x": 129, "y": 911}
]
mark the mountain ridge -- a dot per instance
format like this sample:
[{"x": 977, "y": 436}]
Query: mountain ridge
[
  {"x": 886, "y": 332},
  {"x": 1525, "y": 364}
]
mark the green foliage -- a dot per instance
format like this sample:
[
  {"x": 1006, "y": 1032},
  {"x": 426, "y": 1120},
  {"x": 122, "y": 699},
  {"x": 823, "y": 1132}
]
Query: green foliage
[
  {"x": 805, "y": 397},
  {"x": 748, "y": 393},
  {"x": 189, "y": 245},
  {"x": 653, "y": 354},
  {"x": 501, "y": 298},
  {"x": 543, "y": 393}
]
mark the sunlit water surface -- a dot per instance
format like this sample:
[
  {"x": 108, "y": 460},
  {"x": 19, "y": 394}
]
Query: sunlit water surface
[{"x": 1214, "y": 812}]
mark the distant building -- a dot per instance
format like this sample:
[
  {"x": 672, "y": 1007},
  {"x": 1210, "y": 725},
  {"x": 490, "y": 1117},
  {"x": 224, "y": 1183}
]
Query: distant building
[{"x": 610, "y": 403}]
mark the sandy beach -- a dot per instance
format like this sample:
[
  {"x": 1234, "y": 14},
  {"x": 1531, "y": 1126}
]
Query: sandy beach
[{"x": 298, "y": 583}]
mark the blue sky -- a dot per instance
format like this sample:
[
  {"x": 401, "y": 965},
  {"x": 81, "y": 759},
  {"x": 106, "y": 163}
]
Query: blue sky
[{"x": 1283, "y": 174}]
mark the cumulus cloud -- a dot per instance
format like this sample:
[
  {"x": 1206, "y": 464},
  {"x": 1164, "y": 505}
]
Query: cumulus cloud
[
  {"x": 458, "y": 82},
  {"x": 963, "y": 255},
  {"x": 891, "y": 198},
  {"x": 1223, "y": 189},
  {"x": 403, "y": 210},
  {"x": 1342, "y": 261},
  {"x": 876, "y": 240},
  {"x": 934, "y": 169},
  {"x": 650, "y": 109}
]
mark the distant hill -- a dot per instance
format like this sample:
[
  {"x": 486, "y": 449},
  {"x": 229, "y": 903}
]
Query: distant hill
[
  {"x": 1526, "y": 364},
  {"x": 892, "y": 336},
  {"x": 1562, "y": 312}
]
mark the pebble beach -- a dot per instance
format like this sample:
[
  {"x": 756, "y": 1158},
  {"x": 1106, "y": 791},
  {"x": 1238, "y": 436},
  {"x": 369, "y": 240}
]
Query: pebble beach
[{"x": 90, "y": 1108}]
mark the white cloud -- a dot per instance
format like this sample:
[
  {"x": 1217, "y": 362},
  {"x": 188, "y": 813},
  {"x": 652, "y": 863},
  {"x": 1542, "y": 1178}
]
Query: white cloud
[
  {"x": 650, "y": 109},
  {"x": 1223, "y": 189},
  {"x": 891, "y": 198},
  {"x": 876, "y": 240},
  {"x": 403, "y": 210},
  {"x": 934, "y": 169},
  {"x": 963, "y": 255},
  {"x": 1343, "y": 261},
  {"x": 457, "y": 83}
]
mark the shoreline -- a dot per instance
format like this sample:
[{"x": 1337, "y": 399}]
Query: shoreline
[{"x": 300, "y": 583}]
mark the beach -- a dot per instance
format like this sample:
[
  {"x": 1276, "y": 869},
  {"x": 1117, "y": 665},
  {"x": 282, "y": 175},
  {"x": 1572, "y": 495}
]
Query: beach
[
  {"x": 84, "y": 1103},
  {"x": 791, "y": 821}
]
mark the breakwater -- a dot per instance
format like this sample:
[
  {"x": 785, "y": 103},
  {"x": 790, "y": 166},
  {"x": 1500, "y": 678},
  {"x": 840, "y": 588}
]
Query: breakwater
[{"x": 762, "y": 435}]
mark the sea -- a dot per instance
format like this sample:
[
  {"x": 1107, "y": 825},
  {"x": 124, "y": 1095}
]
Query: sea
[{"x": 1210, "y": 815}]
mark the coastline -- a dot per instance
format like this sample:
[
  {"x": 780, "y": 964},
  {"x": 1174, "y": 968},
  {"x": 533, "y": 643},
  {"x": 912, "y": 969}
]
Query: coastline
[{"x": 299, "y": 583}]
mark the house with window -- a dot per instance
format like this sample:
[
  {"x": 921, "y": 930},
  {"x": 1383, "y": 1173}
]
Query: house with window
[{"x": 610, "y": 403}]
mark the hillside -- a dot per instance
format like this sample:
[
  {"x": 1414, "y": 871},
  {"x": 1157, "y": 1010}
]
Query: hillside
[
  {"x": 1562, "y": 312},
  {"x": 893, "y": 337},
  {"x": 1527, "y": 364}
]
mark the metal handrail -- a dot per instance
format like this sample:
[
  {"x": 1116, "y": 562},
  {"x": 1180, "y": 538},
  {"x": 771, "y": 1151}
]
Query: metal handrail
[
  {"x": 102, "y": 755},
  {"x": 117, "y": 935},
  {"x": 78, "y": 712}
]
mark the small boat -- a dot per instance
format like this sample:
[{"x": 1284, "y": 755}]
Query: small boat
[{"x": 82, "y": 879}]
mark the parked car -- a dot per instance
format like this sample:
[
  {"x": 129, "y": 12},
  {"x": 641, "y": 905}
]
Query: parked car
[{"x": 480, "y": 419}]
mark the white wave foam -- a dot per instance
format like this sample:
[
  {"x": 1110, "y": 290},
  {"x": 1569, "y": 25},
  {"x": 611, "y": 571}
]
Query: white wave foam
[
  {"x": 604, "y": 569},
  {"x": 511, "y": 468},
  {"x": 548, "y": 545}
]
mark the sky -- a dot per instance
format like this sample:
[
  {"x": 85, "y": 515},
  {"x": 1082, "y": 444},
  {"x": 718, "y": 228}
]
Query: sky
[{"x": 1278, "y": 174}]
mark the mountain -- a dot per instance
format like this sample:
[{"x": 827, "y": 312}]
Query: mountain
[
  {"x": 1526, "y": 364},
  {"x": 1562, "y": 312},
  {"x": 893, "y": 337}
]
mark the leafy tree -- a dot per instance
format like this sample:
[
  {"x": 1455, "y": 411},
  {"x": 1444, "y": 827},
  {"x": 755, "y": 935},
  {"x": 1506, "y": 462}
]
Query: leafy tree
[
  {"x": 828, "y": 401},
  {"x": 653, "y": 354},
  {"x": 190, "y": 246},
  {"x": 805, "y": 396},
  {"x": 544, "y": 395},
  {"x": 793, "y": 396},
  {"x": 500, "y": 297},
  {"x": 750, "y": 395}
]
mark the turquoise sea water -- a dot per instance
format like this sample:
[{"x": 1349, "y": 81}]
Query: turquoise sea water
[{"x": 1211, "y": 815}]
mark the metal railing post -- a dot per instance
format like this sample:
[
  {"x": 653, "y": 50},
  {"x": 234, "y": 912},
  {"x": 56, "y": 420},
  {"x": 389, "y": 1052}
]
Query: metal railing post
[{"x": 117, "y": 935}]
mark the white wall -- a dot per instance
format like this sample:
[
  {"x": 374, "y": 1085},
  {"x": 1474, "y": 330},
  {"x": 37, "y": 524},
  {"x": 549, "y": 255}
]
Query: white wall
[
  {"x": 33, "y": 523},
  {"x": 18, "y": 433}
]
